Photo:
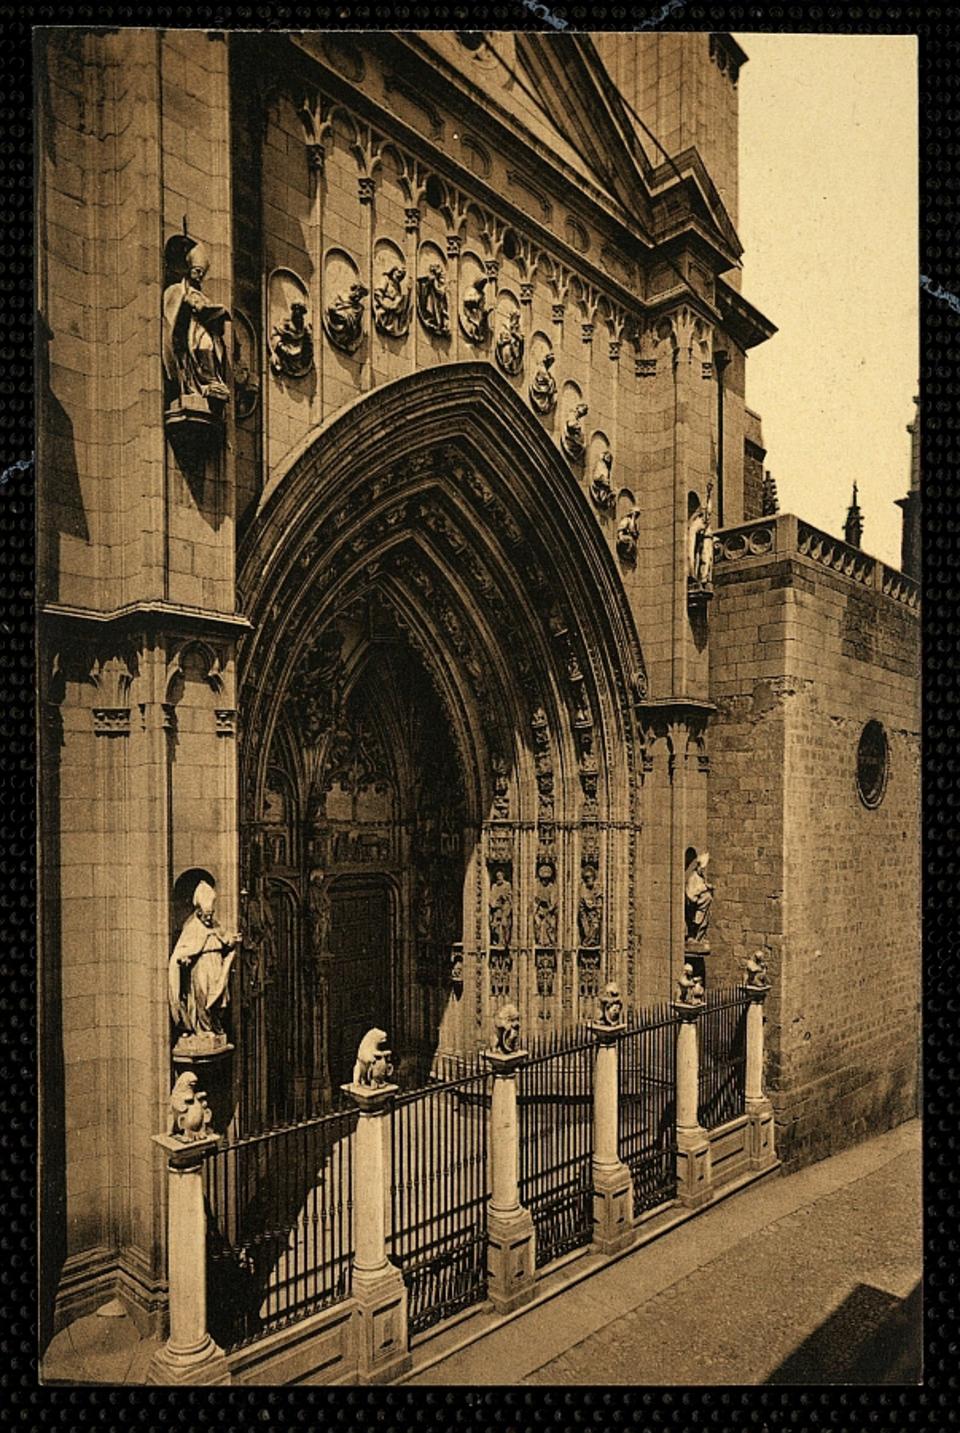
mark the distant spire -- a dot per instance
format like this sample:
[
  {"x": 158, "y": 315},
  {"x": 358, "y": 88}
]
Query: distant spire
[
  {"x": 853, "y": 527},
  {"x": 910, "y": 505}
]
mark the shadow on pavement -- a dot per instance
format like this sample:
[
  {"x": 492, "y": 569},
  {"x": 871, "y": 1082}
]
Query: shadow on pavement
[{"x": 873, "y": 1337}]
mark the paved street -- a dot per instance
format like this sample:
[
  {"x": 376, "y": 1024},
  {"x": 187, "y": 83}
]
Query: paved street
[{"x": 810, "y": 1278}]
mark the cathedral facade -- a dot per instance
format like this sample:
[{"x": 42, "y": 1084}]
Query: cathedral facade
[{"x": 411, "y": 588}]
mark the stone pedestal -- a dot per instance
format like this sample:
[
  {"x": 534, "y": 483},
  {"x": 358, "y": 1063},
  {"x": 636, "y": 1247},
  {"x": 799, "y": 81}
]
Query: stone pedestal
[
  {"x": 378, "y": 1288},
  {"x": 189, "y": 1355},
  {"x": 511, "y": 1247},
  {"x": 612, "y": 1184},
  {"x": 693, "y": 1146},
  {"x": 761, "y": 1149}
]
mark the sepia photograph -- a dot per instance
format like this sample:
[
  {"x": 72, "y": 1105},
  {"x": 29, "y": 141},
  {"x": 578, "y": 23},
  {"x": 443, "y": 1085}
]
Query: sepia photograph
[{"x": 479, "y": 711}]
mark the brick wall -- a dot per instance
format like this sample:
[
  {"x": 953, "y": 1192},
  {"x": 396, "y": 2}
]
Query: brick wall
[{"x": 801, "y": 659}]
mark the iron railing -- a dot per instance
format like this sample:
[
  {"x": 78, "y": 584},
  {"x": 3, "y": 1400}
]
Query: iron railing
[
  {"x": 438, "y": 1196},
  {"x": 555, "y": 1102},
  {"x": 279, "y": 1227},
  {"x": 722, "y": 1033},
  {"x": 647, "y": 1105}
]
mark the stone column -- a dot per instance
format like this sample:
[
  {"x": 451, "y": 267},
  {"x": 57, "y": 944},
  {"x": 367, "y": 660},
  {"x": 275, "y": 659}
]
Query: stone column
[
  {"x": 612, "y": 1185},
  {"x": 760, "y": 1127},
  {"x": 378, "y": 1288},
  {"x": 511, "y": 1239},
  {"x": 189, "y": 1355},
  {"x": 693, "y": 1145}
]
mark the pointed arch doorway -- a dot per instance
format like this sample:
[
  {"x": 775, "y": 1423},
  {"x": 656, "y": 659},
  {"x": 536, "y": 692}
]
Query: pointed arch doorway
[{"x": 438, "y": 760}]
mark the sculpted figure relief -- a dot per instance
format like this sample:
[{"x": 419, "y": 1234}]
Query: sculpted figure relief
[
  {"x": 755, "y": 972},
  {"x": 433, "y": 306},
  {"x": 474, "y": 314},
  {"x": 198, "y": 973},
  {"x": 501, "y": 910},
  {"x": 343, "y": 319},
  {"x": 601, "y": 489},
  {"x": 391, "y": 302},
  {"x": 611, "y": 1005},
  {"x": 628, "y": 533},
  {"x": 509, "y": 346},
  {"x": 689, "y": 988},
  {"x": 194, "y": 351},
  {"x": 291, "y": 344},
  {"x": 698, "y": 894},
  {"x": 590, "y": 909},
  {"x": 574, "y": 439},
  {"x": 543, "y": 386}
]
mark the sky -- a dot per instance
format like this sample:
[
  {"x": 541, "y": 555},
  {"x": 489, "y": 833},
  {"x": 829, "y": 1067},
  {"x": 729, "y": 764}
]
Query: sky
[{"x": 829, "y": 225}]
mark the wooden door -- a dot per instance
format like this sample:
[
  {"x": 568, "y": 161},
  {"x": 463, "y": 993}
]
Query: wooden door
[{"x": 360, "y": 971}]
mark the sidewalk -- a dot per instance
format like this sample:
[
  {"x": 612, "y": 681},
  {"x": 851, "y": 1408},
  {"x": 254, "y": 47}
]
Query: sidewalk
[{"x": 810, "y": 1278}]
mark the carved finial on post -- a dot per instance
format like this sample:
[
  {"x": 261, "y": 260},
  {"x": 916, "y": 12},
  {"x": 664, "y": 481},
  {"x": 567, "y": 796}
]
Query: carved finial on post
[
  {"x": 507, "y": 1026},
  {"x": 611, "y": 1005},
  {"x": 756, "y": 976},
  {"x": 190, "y": 1115},
  {"x": 689, "y": 988},
  {"x": 372, "y": 1068}
]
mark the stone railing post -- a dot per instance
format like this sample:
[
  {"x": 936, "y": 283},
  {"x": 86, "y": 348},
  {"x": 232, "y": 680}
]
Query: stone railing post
[
  {"x": 379, "y": 1292},
  {"x": 189, "y": 1355},
  {"x": 759, "y": 1110},
  {"x": 693, "y": 1145},
  {"x": 510, "y": 1235},
  {"x": 612, "y": 1184}
]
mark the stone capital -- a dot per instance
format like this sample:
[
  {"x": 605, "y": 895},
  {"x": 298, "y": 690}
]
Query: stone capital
[
  {"x": 185, "y": 1154},
  {"x": 757, "y": 993},
  {"x": 607, "y": 1034},
  {"x": 505, "y": 1065},
  {"x": 371, "y": 1099},
  {"x": 688, "y": 1012}
]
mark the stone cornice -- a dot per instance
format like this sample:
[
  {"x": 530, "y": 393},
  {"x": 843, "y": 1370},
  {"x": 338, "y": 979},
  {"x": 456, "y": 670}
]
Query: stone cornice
[
  {"x": 156, "y": 613},
  {"x": 745, "y": 323}
]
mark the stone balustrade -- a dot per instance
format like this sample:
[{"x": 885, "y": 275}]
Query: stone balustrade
[{"x": 785, "y": 535}]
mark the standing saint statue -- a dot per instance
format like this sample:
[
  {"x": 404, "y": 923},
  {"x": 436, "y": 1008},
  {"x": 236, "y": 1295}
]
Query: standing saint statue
[
  {"x": 700, "y": 541},
  {"x": 198, "y": 973},
  {"x": 545, "y": 906},
  {"x": 195, "y": 357},
  {"x": 590, "y": 909},
  {"x": 698, "y": 893},
  {"x": 501, "y": 910}
]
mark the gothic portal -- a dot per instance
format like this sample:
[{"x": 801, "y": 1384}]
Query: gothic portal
[{"x": 439, "y": 806}]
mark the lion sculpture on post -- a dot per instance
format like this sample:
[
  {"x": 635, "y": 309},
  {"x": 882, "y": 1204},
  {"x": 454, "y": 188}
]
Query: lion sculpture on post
[
  {"x": 506, "y": 1022},
  {"x": 373, "y": 1067},
  {"x": 189, "y": 1112}
]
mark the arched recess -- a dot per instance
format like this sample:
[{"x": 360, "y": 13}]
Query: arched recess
[{"x": 443, "y": 662}]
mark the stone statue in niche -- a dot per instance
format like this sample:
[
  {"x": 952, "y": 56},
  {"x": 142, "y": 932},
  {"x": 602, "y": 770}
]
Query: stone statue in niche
[
  {"x": 573, "y": 439},
  {"x": 474, "y": 314},
  {"x": 506, "y": 1023},
  {"x": 195, "y": 359},
  {"x": 590, "y": 909},
  {"x": 501, "y": 909},
  {"x": 198, "y": 975},
  {"x": 545, "y": 905},
  {"x": 372, "y": 1067},
  {"x": 509, "y": 347},
  {"x": 433, "y": 306},
  {"x": 190, "y": 1114},
  {"x": 611, "y": 1005},
  {"x": 628, "y": 533},
  {"x": 543, "y": 387},
  {"x": 700, "y": 541},
  {"x": 698, "y": 898},
  {"x": 291, "y": 344},
  {"x": 318, "y": 914},
  {"x": 391, "y": 303},
  {"x": 246, "y": 384},
  {"x": 601, "y": 489},
  {"x": 343, "y": 319},
  {"x": 689, "y": 988}
]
